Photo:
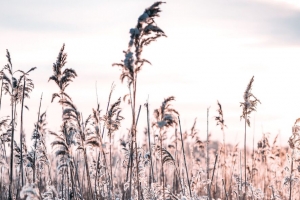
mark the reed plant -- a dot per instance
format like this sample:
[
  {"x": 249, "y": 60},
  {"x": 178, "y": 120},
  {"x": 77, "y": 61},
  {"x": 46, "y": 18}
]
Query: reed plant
[
  {"x": 144, "y": 33},
  {"x": 165, "y": 161},
  {"x": 249, "y": 105}
]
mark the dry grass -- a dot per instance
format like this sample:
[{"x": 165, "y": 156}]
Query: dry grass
[{"x": 83, "y": 164}]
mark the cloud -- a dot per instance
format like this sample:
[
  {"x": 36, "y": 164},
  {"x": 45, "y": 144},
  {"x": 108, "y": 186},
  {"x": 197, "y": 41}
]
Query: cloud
[
  {"x": 66, "y": 16},
  {"x": 272, "y": 23}
]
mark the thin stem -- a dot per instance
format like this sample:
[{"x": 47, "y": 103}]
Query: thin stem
[
  {"x": 151, "y": 177},
  {"x": 21, "y": 133},
  {"x": 35, "y": 142},
  {"x": 96, "y": 176},
  {"x": 245, "y": 156},
  {"x": 136, "y": 153},
  {"x": 212, "y": 177},
  {"x": 187, "y": 175},
  {"x": 104, "y": 158},
  {"x": 62, "y": 184},
  {"x": 176, "y": 159},
  {"x": 224, "y": 160},
  {"x": 291, "y": 175},
  {"x": 253, "y": 153},
  {"x": 224, "y": 189},
  {"x": 207, "y": 156},
  {"x": 241, "y": 174},
  {"x": 134, "y": 125},
  {"x": 162, "y": 166},
  {"x": 231, "y": 174},
  {"x": 10, "y": 190},
  {"x": 110, "y": 163},
  {"x": 86, "y": 160}
]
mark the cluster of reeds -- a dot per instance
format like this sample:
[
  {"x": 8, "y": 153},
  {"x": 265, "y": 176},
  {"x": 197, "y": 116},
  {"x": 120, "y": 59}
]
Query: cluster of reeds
[{"x": 86, "y": 162}]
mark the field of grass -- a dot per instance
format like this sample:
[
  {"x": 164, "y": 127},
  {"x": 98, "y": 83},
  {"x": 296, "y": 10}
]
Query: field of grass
[{"x": 85, "y": 161}]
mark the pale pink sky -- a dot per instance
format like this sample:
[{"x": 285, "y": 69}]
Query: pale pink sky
[{"x": 212, "y": 50}]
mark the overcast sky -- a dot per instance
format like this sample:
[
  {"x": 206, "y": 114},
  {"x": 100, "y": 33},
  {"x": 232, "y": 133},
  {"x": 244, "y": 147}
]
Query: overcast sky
[{"x": 212, "y": 50}]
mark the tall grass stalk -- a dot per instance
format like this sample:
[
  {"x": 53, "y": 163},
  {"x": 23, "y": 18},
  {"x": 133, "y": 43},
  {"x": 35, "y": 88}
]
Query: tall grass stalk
[
  {"x": 21, "y": 135},
  {"x": 183, "y": 153},
  {"x": 253, "y": 152},
  {"x": 35, "y": 142},
  {"x": 11, "y": 87},
  {"x": 151, "y": 173},
  {"x": 177, "y": 175},
  {"x": 207, "y": 154},
  {"x": 112, "y": 122},
  {"x": 212, "y": 177},
  {"x": 26, "y": 88},
  {"x": 136, "y": 157},
  {"x": 291, "y": 177},
  {"x": 87, "y": 170},
  {"x": 245, "y": 157},
  {"x": 249, "y": 105},
  {"x": 145, "y": 32},
  {"x": 241, "y": 177},
  {"x": 165, "y": 118},
  {"x": 221, "y": 122}
]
